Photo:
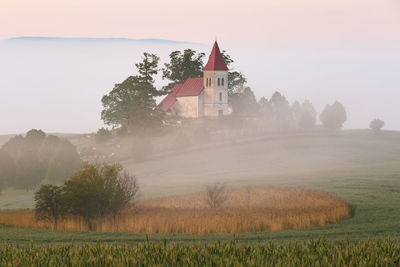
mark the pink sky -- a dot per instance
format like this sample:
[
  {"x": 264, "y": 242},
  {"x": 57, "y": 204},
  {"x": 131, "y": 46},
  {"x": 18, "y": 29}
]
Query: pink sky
[{"x": 247, "y": 22}]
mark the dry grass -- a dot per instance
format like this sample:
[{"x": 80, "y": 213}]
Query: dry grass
[{"x": 245, "y": 210}]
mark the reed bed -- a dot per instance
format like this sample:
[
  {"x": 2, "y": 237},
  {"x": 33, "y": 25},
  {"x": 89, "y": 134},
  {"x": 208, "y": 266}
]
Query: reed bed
[{"x": 255, "y": 209}]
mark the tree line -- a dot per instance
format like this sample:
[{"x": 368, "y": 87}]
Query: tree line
[{"x": 26, "y": 161}]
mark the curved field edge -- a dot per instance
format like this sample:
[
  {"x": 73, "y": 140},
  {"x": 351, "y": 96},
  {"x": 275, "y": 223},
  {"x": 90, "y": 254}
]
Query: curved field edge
[{"x": 250, "y": 209}]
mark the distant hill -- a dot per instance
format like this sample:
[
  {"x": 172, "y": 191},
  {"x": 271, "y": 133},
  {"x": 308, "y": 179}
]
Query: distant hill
[{"x": 90, "y": 39}]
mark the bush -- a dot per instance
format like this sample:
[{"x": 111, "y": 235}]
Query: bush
[
  {"x": 99, "y": 189},
  {"x": 376, "y": 125}
]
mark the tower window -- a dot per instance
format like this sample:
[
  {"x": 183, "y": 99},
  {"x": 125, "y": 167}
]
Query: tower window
[
  {"x": 209, "y": 82},
  {"x": 223, "y": 81},
  {"x": 218, "y": 81},
  {"x": 220, "y": 97},
  {"x": 206, "y": 82}
]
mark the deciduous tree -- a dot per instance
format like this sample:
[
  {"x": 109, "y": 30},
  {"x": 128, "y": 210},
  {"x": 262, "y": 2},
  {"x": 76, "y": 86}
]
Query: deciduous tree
[
  {"x": 333, "y": 116},
  {"x": 182, "y": 66},
  {"x": 48, "y": 204},
  {"x": 131, "y": 104}
]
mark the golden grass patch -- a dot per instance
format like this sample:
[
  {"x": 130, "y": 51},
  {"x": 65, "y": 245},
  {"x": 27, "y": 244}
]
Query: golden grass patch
[{"x": 253, "y": 209}]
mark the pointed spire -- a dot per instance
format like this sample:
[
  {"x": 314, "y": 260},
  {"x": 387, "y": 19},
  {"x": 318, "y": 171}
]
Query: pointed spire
[{"x": 216, "y": 62}]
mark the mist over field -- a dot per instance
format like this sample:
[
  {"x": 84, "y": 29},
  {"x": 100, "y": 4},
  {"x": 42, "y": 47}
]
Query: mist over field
[{"x": 56, "y": 84}]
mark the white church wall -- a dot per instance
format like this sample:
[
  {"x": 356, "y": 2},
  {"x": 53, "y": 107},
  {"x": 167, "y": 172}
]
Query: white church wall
[{"x": 188, "y": 106}]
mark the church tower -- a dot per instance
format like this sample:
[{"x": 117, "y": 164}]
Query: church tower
[{"x": 215, "y": 74}]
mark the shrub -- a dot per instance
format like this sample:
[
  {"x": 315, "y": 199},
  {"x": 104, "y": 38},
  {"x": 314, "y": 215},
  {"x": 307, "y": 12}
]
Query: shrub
[
  {"x": 376, "y": 125},
  {"x": 99, "y": 189}
]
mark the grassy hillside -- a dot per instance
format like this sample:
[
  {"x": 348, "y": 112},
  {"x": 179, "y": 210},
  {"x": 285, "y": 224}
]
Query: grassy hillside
[
  {"x": 359, "y": 167},
  {"x": 271, "y": 160}
]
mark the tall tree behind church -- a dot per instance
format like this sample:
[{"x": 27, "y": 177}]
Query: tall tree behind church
[
  {"x": 182, "y": 66},
  {"x": 132, "y": 104}
]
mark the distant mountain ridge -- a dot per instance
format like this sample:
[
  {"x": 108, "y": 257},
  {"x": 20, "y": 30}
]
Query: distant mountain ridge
[{"x": 95, "y": 39}]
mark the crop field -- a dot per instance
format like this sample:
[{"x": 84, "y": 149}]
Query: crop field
[{"x": 311, "y": 253}]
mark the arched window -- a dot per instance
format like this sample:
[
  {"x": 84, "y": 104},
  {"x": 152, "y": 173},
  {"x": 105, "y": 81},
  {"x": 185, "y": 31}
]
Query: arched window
[
  {"x": 223, "y": 81},
  {"x": 206, "y": 82},
  {"x": 220, "y": 97},
  {"x": 218, "y": 81},
  {"x": 209, "y": 82}
]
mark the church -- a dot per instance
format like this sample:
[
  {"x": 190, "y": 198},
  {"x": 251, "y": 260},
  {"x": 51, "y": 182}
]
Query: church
[{"x": 206, "y": 96}]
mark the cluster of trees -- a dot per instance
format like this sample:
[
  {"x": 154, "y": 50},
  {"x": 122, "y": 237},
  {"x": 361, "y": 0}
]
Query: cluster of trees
[
  {"x": 131, "y": 104},
  {"x": 27, "y": 161},
  {"x": 279, "y": 112},
  {"x": 95, "y": 191}
]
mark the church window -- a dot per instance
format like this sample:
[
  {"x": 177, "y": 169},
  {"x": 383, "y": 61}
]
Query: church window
[
  {"x": 223, "y": 81},
  {"x": 206, "y": 82},
  {"x": 220, "y": 97},
  {"x": 218, "y": 81}
]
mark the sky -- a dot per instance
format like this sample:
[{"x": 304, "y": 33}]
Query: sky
[
  {"x": 322, "y": 50},
  {"x": 245, "y": 22}
]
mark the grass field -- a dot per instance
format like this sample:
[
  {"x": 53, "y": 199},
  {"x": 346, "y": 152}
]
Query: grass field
[{"x": 356, "y": 166}]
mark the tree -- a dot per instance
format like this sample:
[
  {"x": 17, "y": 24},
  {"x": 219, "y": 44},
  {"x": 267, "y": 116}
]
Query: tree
[
  {"x": 244, "y": 103},
  {"x": 265, "y": 109},
  {"x": 97, "y": 190},
  {"x": 63, "y": 163},
  {"x": 183, "y": 66},
  {"x": 7, "y": 170},
  {"x": 333, "y": 116},
  {"x": 215, "y": 196},
  {"x": 376, "y": 125},
  {"x": 281, "y": 111},
  {"x": 30, "y": 171},
  {"x": 148, "y": 68},
  {"x": 48, "y": 205},
  {"x": 131, "y": 104},
  {"x": 35, "y": 157},
  {"x": 308, "y": 115}
]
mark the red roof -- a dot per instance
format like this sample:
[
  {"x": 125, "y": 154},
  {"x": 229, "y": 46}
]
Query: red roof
[
  {"x": 170, "y": 99},
  {"x": 215, "y": 62},
  {"x": 192, "y": 87}
]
